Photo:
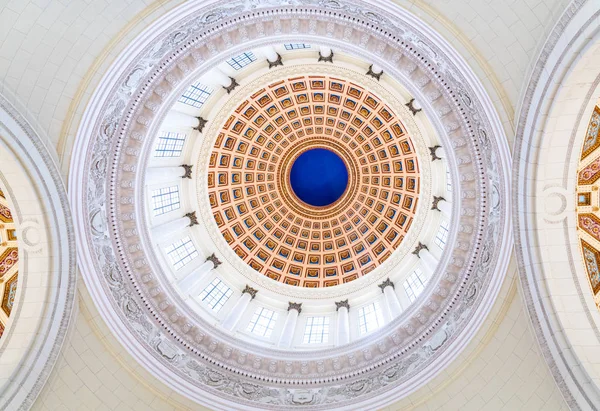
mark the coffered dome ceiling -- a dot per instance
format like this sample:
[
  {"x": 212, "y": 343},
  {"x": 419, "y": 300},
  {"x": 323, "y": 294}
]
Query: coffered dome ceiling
[
  {"x": 268, "y": 244},
  {"x": 254, "y": 202}
]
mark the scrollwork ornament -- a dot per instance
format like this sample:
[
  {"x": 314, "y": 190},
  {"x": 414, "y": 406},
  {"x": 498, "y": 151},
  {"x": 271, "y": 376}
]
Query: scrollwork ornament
[{"x": 237, "y": 381}]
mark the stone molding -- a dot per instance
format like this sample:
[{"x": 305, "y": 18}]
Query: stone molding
[
  {"x": 340, "y": 304},
  {"x": 202, "y": 362},
  {"x": 55, "y": 257},
  {"x": 295, "y": 306},
  {"x": 557, "y": 59},
  {"x": 386, "y": 283}
]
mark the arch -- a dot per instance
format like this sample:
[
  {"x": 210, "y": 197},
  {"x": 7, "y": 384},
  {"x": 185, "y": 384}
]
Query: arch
[
  {"x": 47, "y": 272},
  {"x": 557, "y": 107}
]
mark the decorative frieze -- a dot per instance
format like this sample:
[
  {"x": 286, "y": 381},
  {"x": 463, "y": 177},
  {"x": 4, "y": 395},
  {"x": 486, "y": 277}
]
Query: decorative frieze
[{"x": 378, "y": 377}]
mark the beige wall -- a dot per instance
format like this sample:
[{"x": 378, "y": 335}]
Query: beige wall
[
  {"x": 503, "y": 35},
  {"x": 53, "y": 54},
  {"x": 501, "y": 369},
  {"x": 95, "y": 372}
]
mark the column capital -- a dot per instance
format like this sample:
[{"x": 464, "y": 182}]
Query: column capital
[
  {"x": 418, "y": 249},
  {"x": 432, "y": 151},
  {"x": 193, "y": 218},
  {"x": 278, "y": 62},
  {"x": 232, "y": 86},
  {"x": 250, "y": 291},
  {"x": 295, "y": 306},
  {"x": 371, "y": 73},
  {"x": 328, "y": 59},
  {"x": 188, "y": 171},
  {"x": 436, "y": 200},
  {"x": 201, "y": 123},
  {"x": 386, "y": 283},
  {"x": 213, "y": 258},
  {"x": 340, "y": 304},
  {"x": 412, "y": 108}
]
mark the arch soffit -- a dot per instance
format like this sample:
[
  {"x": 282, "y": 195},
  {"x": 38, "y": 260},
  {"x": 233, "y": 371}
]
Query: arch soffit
[
  {"x": 556, "y": 110},
  {"x": 47, "y": 260}
]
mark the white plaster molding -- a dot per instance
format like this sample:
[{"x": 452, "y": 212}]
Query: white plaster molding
[
  {"x": 42, "y": 311},
  {"x": 397, "y": 359},
  {"x": 557, "y": 68}
]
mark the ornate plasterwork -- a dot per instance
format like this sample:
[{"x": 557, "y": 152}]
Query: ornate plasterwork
[
  {"x": 209, "y": 365},
  {"x": 592, "y": 142},
  {"x": 10, "y": 291},
  {"x": 256, "y": 209},
  {"x": 9, "y": 258},
  {"x": 40, "y": 208},
  {"x": 591, "y": 259},
  {"x": 588, "y": 204},
  {"x": 557, "y": 85},
  {"x": 5, "y": 214}
]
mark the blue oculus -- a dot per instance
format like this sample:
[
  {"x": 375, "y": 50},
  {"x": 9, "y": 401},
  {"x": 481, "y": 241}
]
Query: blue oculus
[{"x": 319, "y": 177}]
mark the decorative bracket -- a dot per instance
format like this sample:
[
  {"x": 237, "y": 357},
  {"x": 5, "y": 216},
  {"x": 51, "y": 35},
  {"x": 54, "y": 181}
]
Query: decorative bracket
[
  {"x": 418, "y": 249},
  {"x": 188, "y": 171},
  {"x": 232, "y": 86},
  {"x": 340, "y": 304},
  {"x": 376, "y": 76},
  {"x": 295, "y": 306},
  {"x": 436, "y": 201},
  {"x": 386, "y": 283},
  {"x": 193, "y": 218},
  {"x": 201, "y": 123},
  {"x": 213, "y": 258},
  {"x": 328, "y": 59},
  {"x": 412, "y": 108},
  {"x": 278, "y": 62},
  {"x": 432, "y": 151},
  {"x": 250, "y": 291}
]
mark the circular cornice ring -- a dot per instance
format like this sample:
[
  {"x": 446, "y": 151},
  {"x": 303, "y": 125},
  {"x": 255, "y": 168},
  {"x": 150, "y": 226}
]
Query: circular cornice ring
[{"x": 216, "y": 370}]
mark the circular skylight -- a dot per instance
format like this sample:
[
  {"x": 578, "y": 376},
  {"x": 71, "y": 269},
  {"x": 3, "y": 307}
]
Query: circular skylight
[{"x": 319, "y": 177}]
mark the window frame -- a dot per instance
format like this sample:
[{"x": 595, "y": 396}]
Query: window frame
[
  {"x": 441, "y": 237},
  {"x": 180, "y": 260},
  {"x": 160, "y": 200},
  {"x": 217, "y": 298},
  {"x": 170, "y": 144},
  {"x": 365, "y": 319},
  {"x": 196, "y": 95},
  {"x": 295, "y": 46},
  {"x": 320, "y": 331},
  {"x": 411, "y": 283},
  {"x": 241, "y": 60},
  {"x": 255, "y": 322}
]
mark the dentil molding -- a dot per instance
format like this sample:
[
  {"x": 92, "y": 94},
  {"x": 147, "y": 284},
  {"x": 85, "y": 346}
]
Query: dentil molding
[{"x": 201, "y": 361}]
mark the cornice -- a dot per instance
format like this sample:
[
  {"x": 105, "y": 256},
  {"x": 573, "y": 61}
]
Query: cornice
[{"x": 204, "y": 364}]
